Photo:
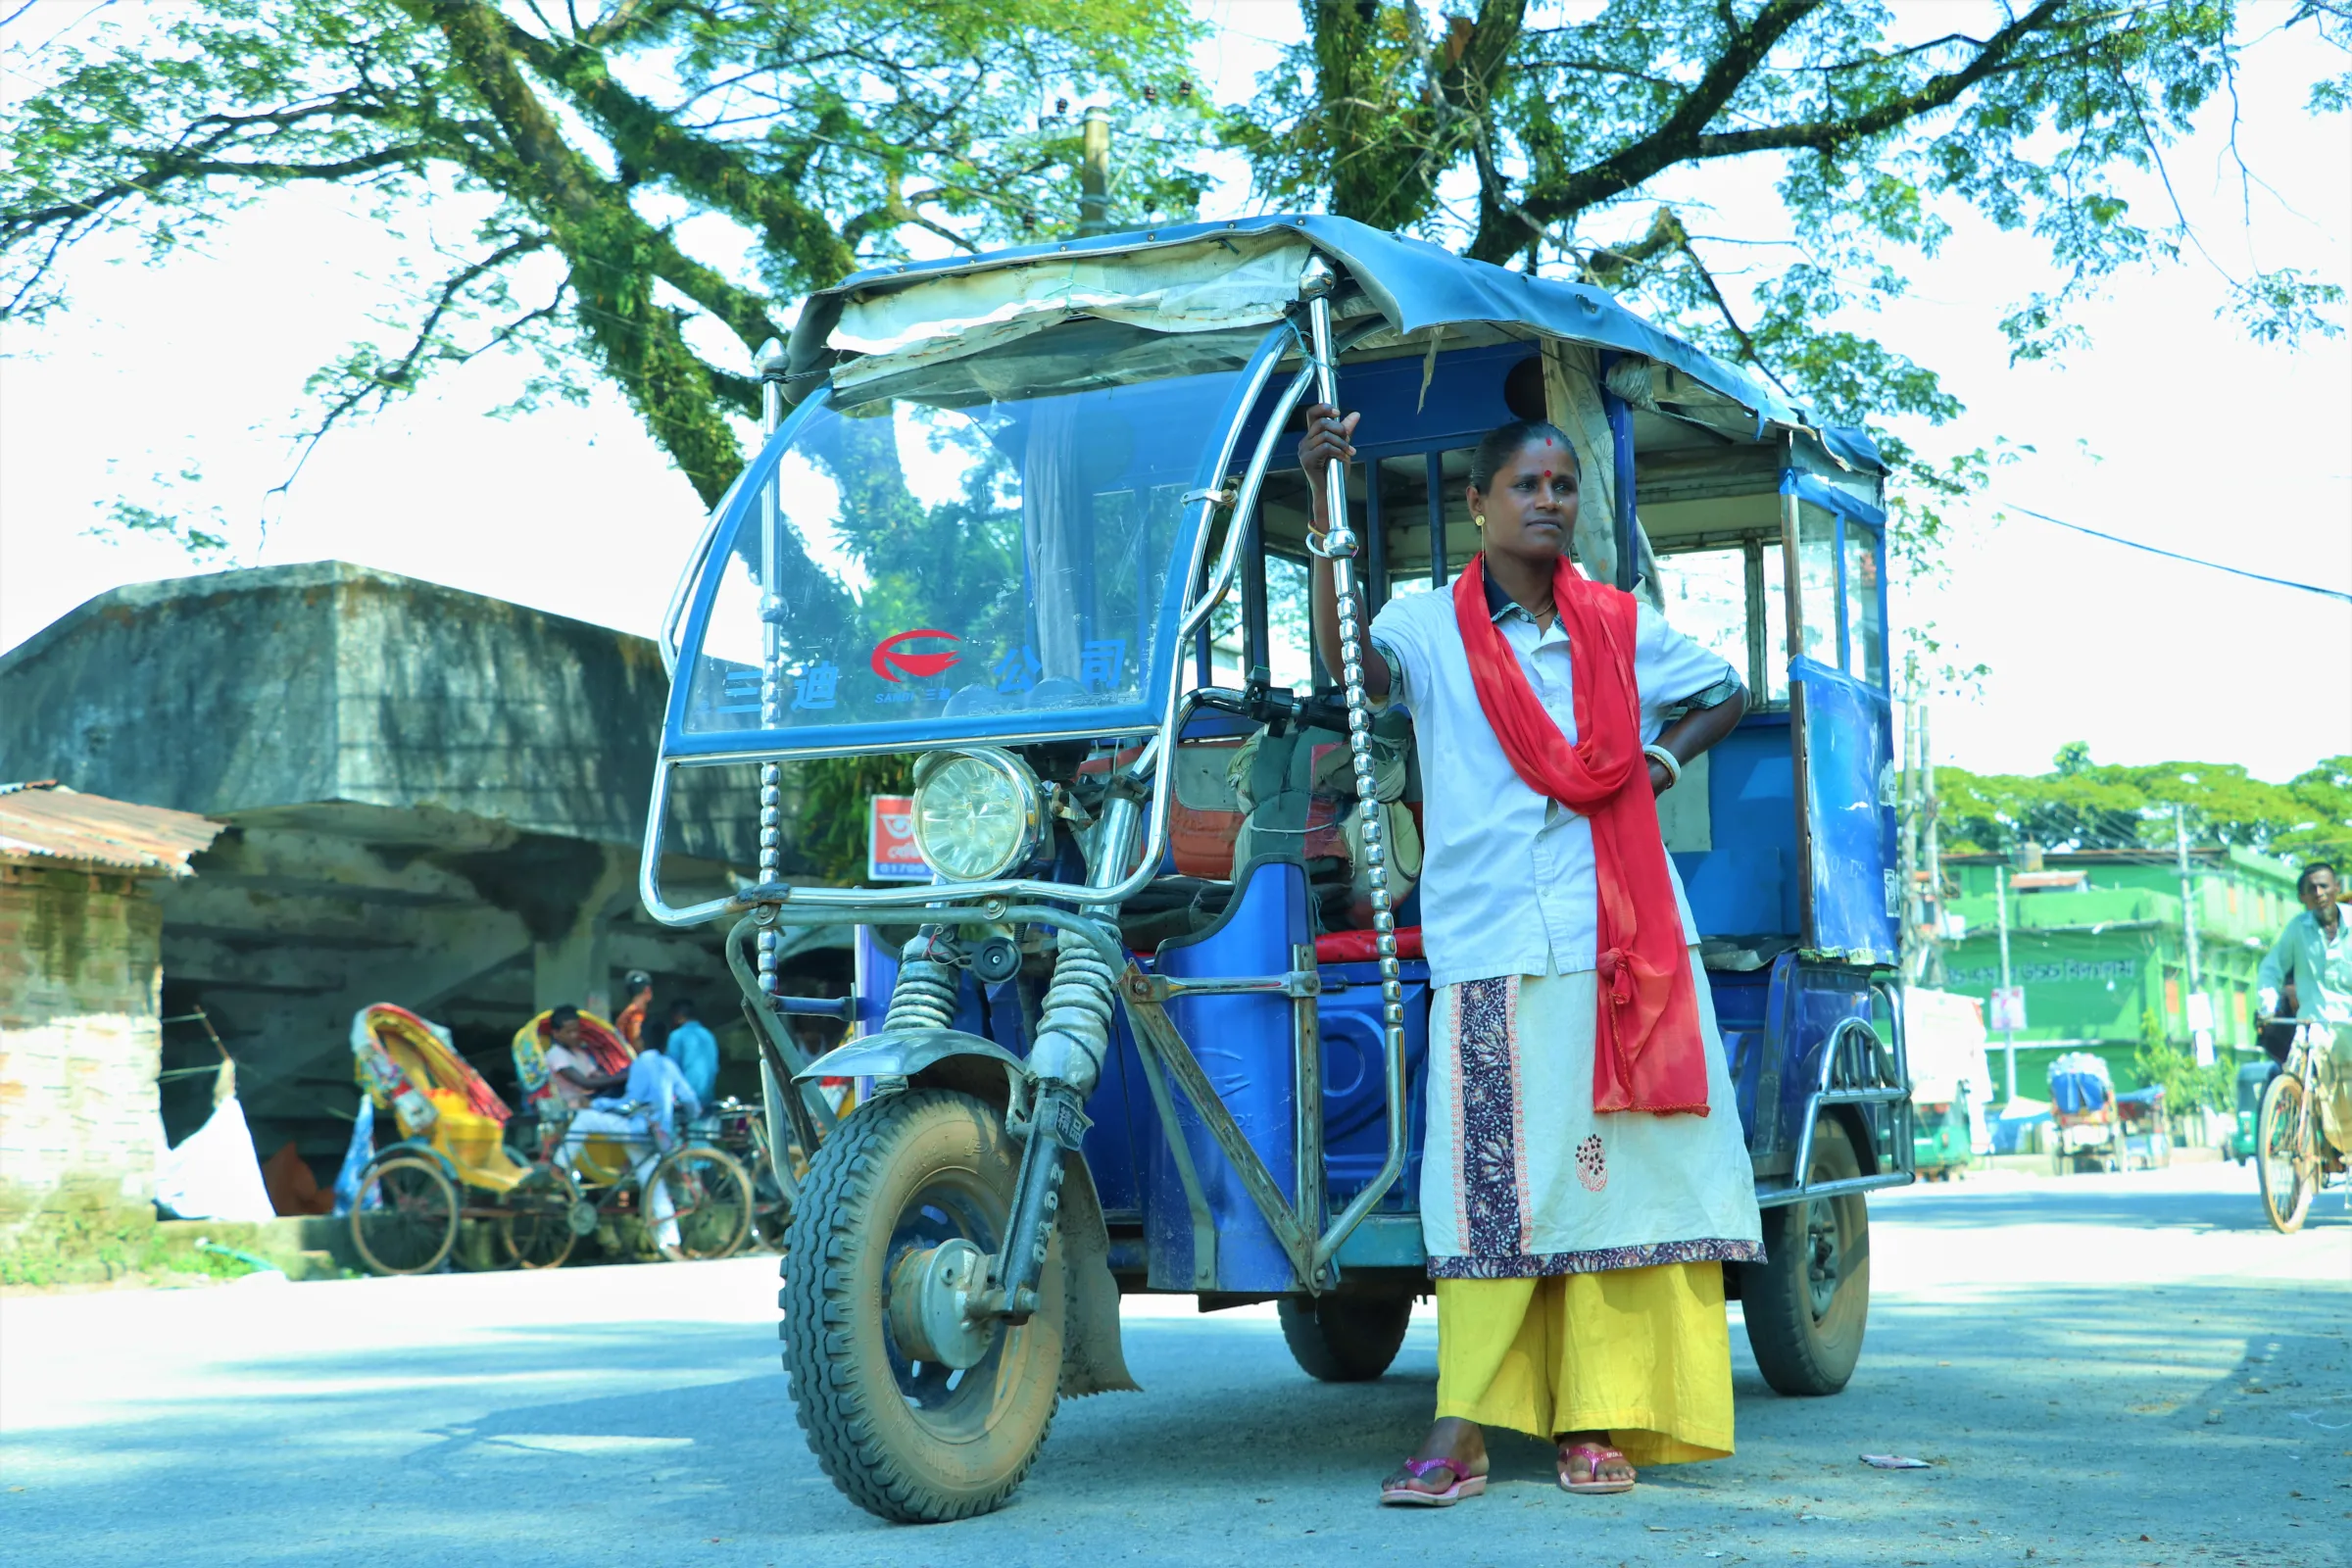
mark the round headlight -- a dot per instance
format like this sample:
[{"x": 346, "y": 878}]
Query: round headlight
[{"x": 975, "y": 814}]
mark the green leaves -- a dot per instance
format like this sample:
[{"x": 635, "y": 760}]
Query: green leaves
[
  {"x": 689, "y": 166},
  {"x": 2083, "y": 805},
  {"x": 1527, "y": 135}
]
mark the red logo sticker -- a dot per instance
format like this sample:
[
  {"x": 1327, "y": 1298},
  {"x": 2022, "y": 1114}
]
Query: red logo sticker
[{"x": 888, "y": 663}]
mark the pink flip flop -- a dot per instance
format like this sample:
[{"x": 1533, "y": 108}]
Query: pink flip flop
[
  {"x": 1465, "y": 1485},
  {"x": 1594, "y": 1456}
]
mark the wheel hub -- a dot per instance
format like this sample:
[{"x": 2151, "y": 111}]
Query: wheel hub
[{"x": 931, "y": 1296}]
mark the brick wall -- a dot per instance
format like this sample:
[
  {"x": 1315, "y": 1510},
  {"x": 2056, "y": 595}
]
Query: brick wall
[{"x": 80, "y": 1041}]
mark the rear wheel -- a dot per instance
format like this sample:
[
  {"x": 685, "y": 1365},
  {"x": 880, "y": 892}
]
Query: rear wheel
[
  {"x": 710, "y": 1204},
  {"x": 539, "y": 1218},
  {"x": 1808, "y": 1303},
  {"x": 917, "y": 1413},
  {"x": 1344, "y": 1339},
  {"x": 405, "y": 1220},
  {"x": 2283, "y": 1159}
]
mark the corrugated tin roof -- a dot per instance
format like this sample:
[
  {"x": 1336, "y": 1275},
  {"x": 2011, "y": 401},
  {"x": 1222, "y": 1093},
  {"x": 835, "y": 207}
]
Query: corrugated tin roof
[{"x": 47, "y": 820}]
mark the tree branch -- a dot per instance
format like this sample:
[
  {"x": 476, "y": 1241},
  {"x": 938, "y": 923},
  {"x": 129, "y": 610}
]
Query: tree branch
[{"x": 645, "y": 137}]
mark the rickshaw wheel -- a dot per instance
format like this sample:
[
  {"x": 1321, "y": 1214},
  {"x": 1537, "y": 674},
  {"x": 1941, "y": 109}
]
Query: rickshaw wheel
[
  {"x": 1344, "y": 1339},
  {"x": 2283, "y": 1163},
  {"x": 903, "y": 1199},
  {"x": 1808, "y": 1303},
  {"x": 535, "y": 1227},
  {"x": 710, "y": 1196},
  {"x": 406, "y": 1219}
]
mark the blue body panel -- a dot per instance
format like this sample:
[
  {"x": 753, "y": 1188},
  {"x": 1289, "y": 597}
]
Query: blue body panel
[
  {"x": 1356, "y": 1101},
  {"x": 1746, "y": 885},
  {"x": 1244, "y": 1045}
]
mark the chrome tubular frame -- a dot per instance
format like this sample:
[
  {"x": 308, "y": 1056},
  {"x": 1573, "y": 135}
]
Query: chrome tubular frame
[
  {"x": 1159, "y": 757},
  {"x": 1834, "y": 1086}
]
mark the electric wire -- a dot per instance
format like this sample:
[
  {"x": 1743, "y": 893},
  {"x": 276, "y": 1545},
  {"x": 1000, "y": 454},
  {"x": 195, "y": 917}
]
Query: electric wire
[{"x": 2175, "y": 555}]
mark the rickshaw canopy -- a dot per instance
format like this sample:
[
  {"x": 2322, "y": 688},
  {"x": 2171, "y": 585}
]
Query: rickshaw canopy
[{"x": 1243, "y": 272}]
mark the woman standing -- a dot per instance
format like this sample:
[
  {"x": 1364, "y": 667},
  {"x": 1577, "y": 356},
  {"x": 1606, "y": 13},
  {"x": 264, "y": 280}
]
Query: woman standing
[{"x": 1583, "y": 1178}]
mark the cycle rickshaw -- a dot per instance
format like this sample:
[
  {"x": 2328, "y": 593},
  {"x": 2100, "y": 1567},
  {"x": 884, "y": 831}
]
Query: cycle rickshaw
[
  {"x": 1158, "y": 1021},
  {"x": 697, "y": 1194},
  {"x": 456, "y": 1162}
]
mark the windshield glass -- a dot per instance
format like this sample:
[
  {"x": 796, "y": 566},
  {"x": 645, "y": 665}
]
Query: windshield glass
[{"x": 954, "y": 555}]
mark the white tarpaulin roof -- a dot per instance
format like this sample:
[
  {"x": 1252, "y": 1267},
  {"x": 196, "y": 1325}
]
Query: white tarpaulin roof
[{"x": 1216, "y": 284}]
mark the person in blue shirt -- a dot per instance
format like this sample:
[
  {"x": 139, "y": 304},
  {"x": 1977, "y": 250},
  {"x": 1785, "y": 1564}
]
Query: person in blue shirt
[{"x": 693, "y": 1049}]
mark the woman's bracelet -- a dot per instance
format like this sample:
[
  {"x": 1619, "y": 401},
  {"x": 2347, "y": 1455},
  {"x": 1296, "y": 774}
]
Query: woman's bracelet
[{"x": 1666, "y": 760}]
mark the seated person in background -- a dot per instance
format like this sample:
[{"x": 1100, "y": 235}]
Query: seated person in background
[
  {"x": 693, "y": 1049},
  {"x": 639, "y": 989},
  {"x": 658, "y": 1095},
  {"x": 576, "y": 1078}
]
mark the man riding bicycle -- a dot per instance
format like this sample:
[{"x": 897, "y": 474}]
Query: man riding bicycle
[{"x": 2315, "y": 954}]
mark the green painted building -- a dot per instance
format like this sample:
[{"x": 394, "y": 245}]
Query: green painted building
[{"x": 2097, "y": 940}]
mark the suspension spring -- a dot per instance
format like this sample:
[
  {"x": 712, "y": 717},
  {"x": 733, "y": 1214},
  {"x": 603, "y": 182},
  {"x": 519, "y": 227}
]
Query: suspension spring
[
  {"x": 925, "y": 995},
  {"x": 1077, "y": 1008}
]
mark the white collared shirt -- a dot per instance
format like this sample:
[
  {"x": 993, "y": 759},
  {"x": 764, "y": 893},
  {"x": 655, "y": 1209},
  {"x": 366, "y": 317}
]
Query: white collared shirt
[{"x": 1507, "y": 880}]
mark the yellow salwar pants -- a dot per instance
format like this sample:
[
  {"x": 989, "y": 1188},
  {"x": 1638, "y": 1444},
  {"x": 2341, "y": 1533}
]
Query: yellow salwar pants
[{"x": 1644, "y": 1355}]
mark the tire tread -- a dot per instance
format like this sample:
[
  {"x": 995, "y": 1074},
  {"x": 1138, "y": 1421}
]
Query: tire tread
[{"x": 817, "y": 1269}]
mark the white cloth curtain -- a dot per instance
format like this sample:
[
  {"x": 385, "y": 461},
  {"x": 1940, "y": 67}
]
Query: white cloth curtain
[{"x": 1572, "y": 400}]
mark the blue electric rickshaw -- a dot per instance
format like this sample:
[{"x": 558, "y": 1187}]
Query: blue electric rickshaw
[{"x": 1156, "y": 1020}]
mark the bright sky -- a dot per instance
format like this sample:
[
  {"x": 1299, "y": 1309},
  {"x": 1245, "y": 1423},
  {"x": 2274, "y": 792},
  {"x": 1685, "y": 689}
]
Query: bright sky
[{"x": 2170, "y": 428}]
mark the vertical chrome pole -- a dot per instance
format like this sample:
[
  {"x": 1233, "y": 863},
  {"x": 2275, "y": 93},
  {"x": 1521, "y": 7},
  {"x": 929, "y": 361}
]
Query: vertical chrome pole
[
  {"x": 772, "y": 1090},
  {"x": 1339, "y": 545},
  {"x": 772, "y": 654}
]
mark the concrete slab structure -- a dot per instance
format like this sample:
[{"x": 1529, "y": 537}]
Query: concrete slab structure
[{"x": 431, "y": 797}]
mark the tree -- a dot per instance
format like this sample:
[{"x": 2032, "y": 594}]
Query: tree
[
  {"x": 819, "y": 134},
  {"x": 2083, "y": 804},
  {"x": 1552, "y": 138}
]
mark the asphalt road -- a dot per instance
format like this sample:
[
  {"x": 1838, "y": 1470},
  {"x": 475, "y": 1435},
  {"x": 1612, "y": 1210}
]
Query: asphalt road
[{"x": 2102, "y": 1370}]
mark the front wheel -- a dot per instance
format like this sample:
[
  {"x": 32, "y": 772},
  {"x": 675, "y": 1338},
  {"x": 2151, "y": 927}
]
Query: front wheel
[
  {"x": 918, "y": 1413},
  {"x": 2284, "y": 1159},
  {"x": 1807, "y": 1304},
  {"x": 1344, "y": 1339}
]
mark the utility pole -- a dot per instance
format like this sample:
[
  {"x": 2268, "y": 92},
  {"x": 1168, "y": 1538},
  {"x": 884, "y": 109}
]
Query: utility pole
[
  {"x": 2201, "y": 1033},
  {"x": 2000, "y": 914},
  {"x": 1935, "y": 849},
  {"x": 1918, "y": 941},
  {"x": 1094, "y": 174}
]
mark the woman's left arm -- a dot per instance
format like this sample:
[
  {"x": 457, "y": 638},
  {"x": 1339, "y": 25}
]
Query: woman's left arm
[{"x": 1695, "y": 732}]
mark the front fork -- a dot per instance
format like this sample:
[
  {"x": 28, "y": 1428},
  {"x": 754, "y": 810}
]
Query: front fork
[{"x": 1066, "y": 1062}]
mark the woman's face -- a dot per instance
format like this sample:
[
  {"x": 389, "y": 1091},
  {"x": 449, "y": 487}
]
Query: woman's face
[{"x": 1530, "y": 508}]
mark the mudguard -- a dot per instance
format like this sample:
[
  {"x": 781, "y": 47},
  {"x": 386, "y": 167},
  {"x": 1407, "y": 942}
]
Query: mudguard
[
  {"x": 1092, "y": 1360},
  {"x": 905, "y": 1053}
]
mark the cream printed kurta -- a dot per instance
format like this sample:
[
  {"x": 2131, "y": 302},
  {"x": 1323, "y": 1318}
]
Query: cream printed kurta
[{"x": 1519, "y": 1177}]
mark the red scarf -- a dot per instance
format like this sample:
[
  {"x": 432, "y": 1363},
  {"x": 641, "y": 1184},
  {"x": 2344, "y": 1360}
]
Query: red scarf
[{"x": 1650, "y": 1053}]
